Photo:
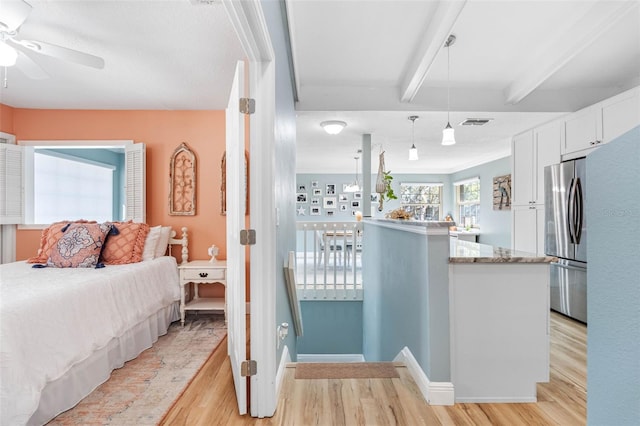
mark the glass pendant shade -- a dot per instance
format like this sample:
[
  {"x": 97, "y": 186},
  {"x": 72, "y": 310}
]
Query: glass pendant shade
[
  {"x": 413, "y": 153},
  {"x": 447, "y": 135},
  {"x": 355, "y": 186},
  {"x": 8, "y": 55}
]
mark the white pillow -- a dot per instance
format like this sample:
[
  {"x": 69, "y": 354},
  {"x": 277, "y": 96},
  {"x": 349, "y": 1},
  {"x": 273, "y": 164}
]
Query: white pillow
[
  {"x": 163, "y": 241},
  {"x": 151, "y": 243}
]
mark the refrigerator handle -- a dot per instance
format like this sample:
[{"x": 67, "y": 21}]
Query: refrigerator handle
[
  {"x": 579, "y": 207},
  {"x": 571, "y": 204}
]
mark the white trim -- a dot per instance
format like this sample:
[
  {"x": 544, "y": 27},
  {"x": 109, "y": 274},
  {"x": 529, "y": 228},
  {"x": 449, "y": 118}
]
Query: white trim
[
  {"x": 247, "y": 18},
  {"x": 284, "y": 360},
  {"x": 497, "y": 400},
  {"x": 330, "y": 358},
  {"x": 72, "y": 143},
  {"x": 423, "y": 183},
  {"x": 435, "y": 393},
  {"x": 465, "y": 181}
]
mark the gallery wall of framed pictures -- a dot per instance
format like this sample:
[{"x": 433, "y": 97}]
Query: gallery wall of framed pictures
[{"x": 325, "y": 198}]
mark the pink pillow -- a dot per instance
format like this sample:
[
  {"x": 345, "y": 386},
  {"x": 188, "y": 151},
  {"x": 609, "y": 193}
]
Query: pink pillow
[
  {"x": 127, "y": 245},
  {"x": 79, "y": 246}
]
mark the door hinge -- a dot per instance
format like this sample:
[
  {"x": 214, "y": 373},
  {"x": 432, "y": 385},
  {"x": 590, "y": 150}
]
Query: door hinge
[
  {"x": 248, "y": 237},
  {"x": 247, "y": 105},
  {"x": 248, "y": 368}
]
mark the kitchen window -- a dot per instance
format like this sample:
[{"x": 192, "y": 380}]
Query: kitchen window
[
  {"x": 422, "y": 200},
  {"x": 468, "y": 202}
]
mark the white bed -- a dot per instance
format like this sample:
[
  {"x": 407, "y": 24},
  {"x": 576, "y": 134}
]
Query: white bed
[{"x": 63, "y": 330}]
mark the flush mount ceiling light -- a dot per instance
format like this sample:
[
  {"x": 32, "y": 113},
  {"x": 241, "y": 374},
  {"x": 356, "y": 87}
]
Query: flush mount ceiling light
[
  {"x": 333, "y": 127},
  {"x": 355, "y": 186},
  {"x": 448, "y": 137},
  {"x": 413, "y": 151}
]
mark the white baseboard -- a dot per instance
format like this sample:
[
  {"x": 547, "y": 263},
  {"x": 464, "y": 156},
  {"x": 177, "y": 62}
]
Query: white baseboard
[
  {"x": 496, "y": 400},
  {"x": 435, "y": 393},
  {"x": 284, "y": 360},
  {"x": 330, "y": 358}
]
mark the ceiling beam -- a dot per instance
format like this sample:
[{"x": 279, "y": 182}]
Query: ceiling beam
[
  {"x": 561, "y": 51},
  {"x": 440, "y": 26}
]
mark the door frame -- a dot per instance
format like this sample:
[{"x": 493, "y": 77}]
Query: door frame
[{"x": 250, "y": 25}]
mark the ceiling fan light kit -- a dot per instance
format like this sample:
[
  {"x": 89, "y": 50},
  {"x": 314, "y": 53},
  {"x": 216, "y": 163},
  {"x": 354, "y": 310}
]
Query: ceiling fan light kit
[
  {"x": 14, "y": 14},
  {"x": 333, "y": 127},
  {"x": 448, "y": 137}
]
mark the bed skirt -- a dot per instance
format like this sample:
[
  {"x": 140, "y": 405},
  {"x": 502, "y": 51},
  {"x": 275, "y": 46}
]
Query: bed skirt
[{"x": 82, "y": 379}]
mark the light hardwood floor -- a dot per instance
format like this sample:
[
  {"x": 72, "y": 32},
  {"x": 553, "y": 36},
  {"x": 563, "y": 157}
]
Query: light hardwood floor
[{"x": 210, "y": 398}]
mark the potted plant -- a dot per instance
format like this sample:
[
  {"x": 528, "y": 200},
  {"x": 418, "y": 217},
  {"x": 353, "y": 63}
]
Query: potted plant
[{"x": 387, "y": 192}]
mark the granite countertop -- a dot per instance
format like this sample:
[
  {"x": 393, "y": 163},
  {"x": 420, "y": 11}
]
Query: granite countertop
[
  {"x": 469, "y": 252},
  {"x": 412, "y": 222}
]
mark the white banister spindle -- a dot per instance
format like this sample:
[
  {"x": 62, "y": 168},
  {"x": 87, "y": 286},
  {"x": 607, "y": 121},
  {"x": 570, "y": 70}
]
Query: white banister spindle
[{"x": 334, "y": 272}]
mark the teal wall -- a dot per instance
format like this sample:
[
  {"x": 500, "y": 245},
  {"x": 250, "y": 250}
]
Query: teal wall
[
  {"x": 406, "y": 300},
  {"x": 495, "y": 225},
  {"x": 613, "y": 283},
  {"x": 331, "y": 327},
  {"x": 285, "y": 159}
]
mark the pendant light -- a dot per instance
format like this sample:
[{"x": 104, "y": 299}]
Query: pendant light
[
  {"x": 413, "y": 151},
  {"x": 355, "y": 186},
  {"x": 447, "y": 134}
]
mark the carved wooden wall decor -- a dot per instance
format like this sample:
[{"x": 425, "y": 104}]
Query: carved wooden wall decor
[
  {"x": 182, "y": 182},
  {"x": 223, "y": 184}
]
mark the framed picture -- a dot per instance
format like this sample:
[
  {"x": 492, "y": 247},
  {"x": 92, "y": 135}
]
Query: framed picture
[
  {"x": 301, "y": 197},
  {"x": 330, "y": 189},
  {"x": 330, "y": 212},
  {"x": 345, "y": 186},
  {"x": 301, "y": 211},
  {"x": 343, "y": 198},
  {"x": 375, "y": 197},
  {"x": 317, "y": 192},
  {"x": 329, "y": 202},
  {"x": 315, "y": 201},
  {"x": 315, "y": 184},
  {"x": 355, "y": 204},
  {"x": 357, "y": 195},
  {"x": 343, "y": 207},
  {"x": 353, "y": 212},
  {"x": 315, "y": 211},
  {"x": 302, "y": 188},
  {"x": 502, "y": 192}
]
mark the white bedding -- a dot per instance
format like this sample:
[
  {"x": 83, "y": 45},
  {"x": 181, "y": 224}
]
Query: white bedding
[{"x": 52, "y": 319}]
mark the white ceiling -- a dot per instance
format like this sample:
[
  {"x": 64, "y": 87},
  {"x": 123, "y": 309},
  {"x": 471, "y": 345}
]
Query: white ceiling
[{"x": 371, "y": 63}]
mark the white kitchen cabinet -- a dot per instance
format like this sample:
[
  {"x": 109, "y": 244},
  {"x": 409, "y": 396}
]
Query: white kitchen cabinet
[
  {"x": 620, "y": 114},
  {"x": 527, "y": 232},
  {"x": 602, "y": 122},
  {"x": 532, "y": 152}
]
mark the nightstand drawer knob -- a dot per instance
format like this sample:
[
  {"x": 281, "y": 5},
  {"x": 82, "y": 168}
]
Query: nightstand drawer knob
[{"x": 203, "y": 274}]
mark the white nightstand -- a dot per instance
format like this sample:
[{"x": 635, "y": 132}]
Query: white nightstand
[{"x": 202, "y": 272}]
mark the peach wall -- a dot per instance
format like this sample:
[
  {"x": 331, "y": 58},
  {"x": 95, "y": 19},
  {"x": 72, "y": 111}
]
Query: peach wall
[
  {"x": 6, "y": 119},
  {"x": 162, "y": 132}
]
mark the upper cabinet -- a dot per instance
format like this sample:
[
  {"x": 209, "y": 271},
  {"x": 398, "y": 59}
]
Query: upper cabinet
[
  {"x": 532, "y": 152},
  {"x": 602, "y": 122}
]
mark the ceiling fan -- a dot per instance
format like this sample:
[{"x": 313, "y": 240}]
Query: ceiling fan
[{"x": 16, "y": 51}]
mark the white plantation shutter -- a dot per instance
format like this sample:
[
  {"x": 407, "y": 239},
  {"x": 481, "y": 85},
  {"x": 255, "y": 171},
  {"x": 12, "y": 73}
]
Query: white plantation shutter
[
  {"x": 11, "y": 184},
  {"x": 135, "y": 185}
]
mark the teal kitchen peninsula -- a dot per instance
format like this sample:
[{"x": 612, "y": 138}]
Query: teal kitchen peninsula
[{"x": 474, "y": 317}]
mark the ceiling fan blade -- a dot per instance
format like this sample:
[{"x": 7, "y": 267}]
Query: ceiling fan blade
[
  {"x": 29, "y": 68},
  {"x": 62, "y": 53},
  {"x": 13, "y": 13}
]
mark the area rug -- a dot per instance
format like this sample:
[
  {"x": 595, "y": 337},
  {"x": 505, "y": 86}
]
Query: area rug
[
  {"x": 143, "y": 390},
  {"x": 349, "y": 370}
]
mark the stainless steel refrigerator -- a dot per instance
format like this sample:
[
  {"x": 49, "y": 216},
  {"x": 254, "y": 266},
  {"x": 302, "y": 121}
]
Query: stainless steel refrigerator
[{"x": 566, "y": 236}]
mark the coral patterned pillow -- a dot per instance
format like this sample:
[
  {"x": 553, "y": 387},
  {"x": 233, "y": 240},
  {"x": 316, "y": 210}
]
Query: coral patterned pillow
[
  {"x": 49, "y": 239},
  {"x": 127, "y": 246},
  {"x": 79, "y": 246}
]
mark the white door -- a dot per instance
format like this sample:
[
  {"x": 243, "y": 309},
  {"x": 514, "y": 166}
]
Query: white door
[{"x": 236, "y": 277}]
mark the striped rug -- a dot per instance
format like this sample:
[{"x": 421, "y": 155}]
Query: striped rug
[{"x": 143, "y": 390}]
